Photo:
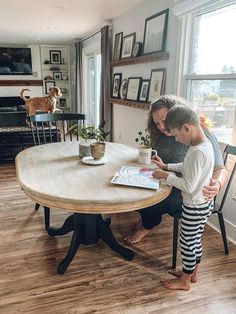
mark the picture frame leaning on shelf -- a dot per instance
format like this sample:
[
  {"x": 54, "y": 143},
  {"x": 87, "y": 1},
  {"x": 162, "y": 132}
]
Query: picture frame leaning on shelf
[
  {"x": 144, "y": 90},
  {"x": 62, "y": 102},
  {"x": 117, "y": 46},
  {"x": 127, "y": 45},
  {"x": 157, "y": 84},
  {"x": 57, "y": 76},
  {"x": 155, "y": 32},
  {"x": 48, "y": 85},
  {"x": 55, "y": 56},
  {"x": 133, "y": 88},
  {"x": 117, "y": 78}
]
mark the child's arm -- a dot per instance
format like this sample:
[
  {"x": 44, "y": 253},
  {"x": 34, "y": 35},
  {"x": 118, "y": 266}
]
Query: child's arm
[
  {"x": 178, "y": 167},
  {"x": 192, "y": 174},
  {"x": 160, "y": 174}
]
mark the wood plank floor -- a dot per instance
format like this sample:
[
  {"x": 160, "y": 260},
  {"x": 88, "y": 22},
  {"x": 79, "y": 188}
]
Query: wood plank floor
[{"x": 98, "y": 281}]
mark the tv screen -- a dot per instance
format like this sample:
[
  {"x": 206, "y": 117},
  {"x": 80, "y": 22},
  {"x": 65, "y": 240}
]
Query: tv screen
[{"x": 15, "y": 61}]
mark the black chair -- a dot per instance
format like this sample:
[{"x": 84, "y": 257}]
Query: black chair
[
  {"x": 218, "y": 209},
  {"x": 49, "y": 128}
]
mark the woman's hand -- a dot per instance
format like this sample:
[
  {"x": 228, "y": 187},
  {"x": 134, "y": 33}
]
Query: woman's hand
[
  {"x": 211, "y": 190},
  {"x": 160, "y": 174},
  {"x": 160, "y": 164}
]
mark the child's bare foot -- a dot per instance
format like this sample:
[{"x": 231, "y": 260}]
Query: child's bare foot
[
  {"x": 137, "y": 225},
  {"x": 179, "y": 273},
  {"x": 137, "y": 236},
  {"x": 176, "y": 284}
]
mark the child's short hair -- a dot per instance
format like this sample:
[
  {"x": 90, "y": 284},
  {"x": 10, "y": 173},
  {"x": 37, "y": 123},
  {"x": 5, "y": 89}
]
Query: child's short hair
[{"x": 178, "y": 115}]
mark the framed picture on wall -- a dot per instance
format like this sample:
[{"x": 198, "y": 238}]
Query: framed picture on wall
[
  {"x": 133, "y": 88},
  {"x": 144, "y": 90},
  {"x": 62, "y": 102},
  {"x": 127, "y": 45},
  {"x": 155, "y": 31},
  {"x": 117, "y": 46},
  {"x": 55, "y": 56},
  {"x": 117, "y": 77},
  {"x": 157, "y": 84},
  {"x": 57, "y": 76},
  {"x": 48, "y": 85},
  {"x": 123, "y": 88}
]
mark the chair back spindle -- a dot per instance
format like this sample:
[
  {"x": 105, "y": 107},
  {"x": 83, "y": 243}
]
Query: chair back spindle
[{"x": 48, "y": 127}]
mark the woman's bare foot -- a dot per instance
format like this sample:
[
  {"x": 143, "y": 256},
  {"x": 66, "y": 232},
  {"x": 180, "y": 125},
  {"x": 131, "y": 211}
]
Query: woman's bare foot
[
  {"x": 176, "y": 284},
  {"x": 137, "y": 236},
  {"x": 179, "y": 273}
]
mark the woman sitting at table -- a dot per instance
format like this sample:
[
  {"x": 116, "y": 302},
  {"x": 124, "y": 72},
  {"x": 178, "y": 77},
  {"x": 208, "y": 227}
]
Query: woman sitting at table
[{"x": 170, "y": 151}]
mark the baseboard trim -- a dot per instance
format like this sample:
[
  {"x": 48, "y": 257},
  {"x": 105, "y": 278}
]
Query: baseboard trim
[{"x": 230, "y": 228}]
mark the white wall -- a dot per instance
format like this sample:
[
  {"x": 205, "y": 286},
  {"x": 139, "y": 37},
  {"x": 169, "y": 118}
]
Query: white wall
[{"x": 128, "y": 121}]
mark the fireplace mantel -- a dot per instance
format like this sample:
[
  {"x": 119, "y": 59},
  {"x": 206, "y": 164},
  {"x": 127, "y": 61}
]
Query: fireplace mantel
[{"x": 21, "y": 82}]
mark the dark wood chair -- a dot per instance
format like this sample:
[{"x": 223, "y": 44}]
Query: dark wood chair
[
  {"x": 218, "y": 209},
  {"x": 49, "y": 128}
]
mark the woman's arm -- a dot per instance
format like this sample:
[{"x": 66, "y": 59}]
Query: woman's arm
[{"x": 219, "y": 178}]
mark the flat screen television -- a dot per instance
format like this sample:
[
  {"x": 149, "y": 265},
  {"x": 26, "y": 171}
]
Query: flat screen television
[{"x": 15, "y": 61}]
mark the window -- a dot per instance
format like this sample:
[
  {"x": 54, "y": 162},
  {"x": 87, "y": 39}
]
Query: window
[
  {"x": 210, "y": 79},
  {"x": 93, "y": 88},
  {"x": 91, "y": 60}
]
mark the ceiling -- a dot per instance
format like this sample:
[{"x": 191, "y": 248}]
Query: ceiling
[{"x": 56, "y": 21}]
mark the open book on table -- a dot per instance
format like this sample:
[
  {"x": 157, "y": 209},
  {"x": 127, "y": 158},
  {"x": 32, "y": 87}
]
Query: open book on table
[{"x": 136, "y": 176}]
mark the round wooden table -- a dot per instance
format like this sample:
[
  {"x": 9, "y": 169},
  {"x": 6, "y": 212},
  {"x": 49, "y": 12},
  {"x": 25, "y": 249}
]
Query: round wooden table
[{"x": 54, "y": 176}]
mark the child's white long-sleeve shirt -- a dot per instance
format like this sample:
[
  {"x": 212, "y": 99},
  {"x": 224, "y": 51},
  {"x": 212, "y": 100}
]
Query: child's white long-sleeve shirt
[{"x": 197, "y": 169}]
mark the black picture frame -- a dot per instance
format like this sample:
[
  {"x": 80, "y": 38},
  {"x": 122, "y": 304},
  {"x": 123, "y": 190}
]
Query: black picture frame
[
  {"x": 55, "y": 56},
  {"x": 127, "y": 45},
  {"x": 117, "y": 78},
  {"x": 48, "y": 85},
  {"x": 157, "y": 84},
  {"x": 123, "y": 88},
  {"x": 117, "y": 46},
  {"x": 57, "y": 76},
  {"x": 144, "y": 89},
  {"x": 133, "y": 88},
  {"x": 155, "y": 32},
  {"x": 62, "y": 102}
]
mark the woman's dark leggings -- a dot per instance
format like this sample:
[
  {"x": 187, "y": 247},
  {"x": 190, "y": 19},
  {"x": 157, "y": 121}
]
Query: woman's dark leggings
[{"x": 152, "y": 216}]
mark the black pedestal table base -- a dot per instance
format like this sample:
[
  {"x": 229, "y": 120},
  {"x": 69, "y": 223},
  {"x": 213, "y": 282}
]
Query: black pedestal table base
[{"x": 87, "y": 229}]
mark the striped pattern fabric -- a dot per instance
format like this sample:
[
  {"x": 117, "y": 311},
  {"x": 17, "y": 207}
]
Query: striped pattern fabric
[{"x": 192, "y": 226}]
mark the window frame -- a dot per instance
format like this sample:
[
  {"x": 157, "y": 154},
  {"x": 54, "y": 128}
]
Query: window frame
[
  {"x": 91, "y": 50},
  {"x": 187, "y": 37}
]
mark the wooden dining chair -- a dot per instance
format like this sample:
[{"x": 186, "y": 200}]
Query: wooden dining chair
[
  {"x": 218, "y": 208},
  {"x": 49, "y": 128}
]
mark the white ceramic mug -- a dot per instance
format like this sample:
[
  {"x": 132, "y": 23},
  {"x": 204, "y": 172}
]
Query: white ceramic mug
[{"x": 145, "y": 155}]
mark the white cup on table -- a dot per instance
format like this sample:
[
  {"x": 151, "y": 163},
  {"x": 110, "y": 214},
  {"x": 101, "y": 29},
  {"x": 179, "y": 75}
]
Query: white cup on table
[{"x": 145, "y": 155}]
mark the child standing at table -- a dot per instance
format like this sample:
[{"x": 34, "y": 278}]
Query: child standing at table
[{"x": 196, "y": 169}]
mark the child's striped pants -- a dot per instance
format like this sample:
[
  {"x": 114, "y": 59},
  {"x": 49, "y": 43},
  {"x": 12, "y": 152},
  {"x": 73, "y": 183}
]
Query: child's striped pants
[{"x": 192, "y": 226}]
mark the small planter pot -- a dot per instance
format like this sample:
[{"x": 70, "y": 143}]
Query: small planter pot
[
  {"x": 84, "y": 148},
  {"x": 97, "y": 150}
]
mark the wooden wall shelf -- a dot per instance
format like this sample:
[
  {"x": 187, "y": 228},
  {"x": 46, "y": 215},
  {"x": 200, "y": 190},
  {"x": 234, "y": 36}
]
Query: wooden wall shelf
[
  {"x": 130, "y": 103},
  {"x": 21, "y": 82},
  {"x": 142, "y": 59}
]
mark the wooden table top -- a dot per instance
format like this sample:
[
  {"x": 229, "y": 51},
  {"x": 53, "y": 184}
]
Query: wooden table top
[{"x": 53, "y": 175}]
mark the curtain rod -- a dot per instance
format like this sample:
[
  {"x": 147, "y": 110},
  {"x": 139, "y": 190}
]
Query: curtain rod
[{"x": 90, "y": 36}]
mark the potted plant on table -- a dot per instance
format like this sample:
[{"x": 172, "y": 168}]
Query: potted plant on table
[
  {"x": 145, "y": 149},
  {"x": 98, "y": 147},
  {"x": 86, "y": 135},
  {"x": 144, "y": 139}
]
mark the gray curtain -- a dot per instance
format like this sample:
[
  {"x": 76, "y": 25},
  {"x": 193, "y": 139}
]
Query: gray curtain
[
  {"x": 78, "y": 89},
  {"x": 105, "y": 106}
]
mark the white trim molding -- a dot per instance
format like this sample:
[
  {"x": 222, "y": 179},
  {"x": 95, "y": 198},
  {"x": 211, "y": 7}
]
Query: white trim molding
[{"x": 184, "y": 7}]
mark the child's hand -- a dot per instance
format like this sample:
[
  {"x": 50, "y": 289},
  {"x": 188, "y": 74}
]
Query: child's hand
[
  {"x": 160, "y": 164},
  {"x": 160, "y": 174}
]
